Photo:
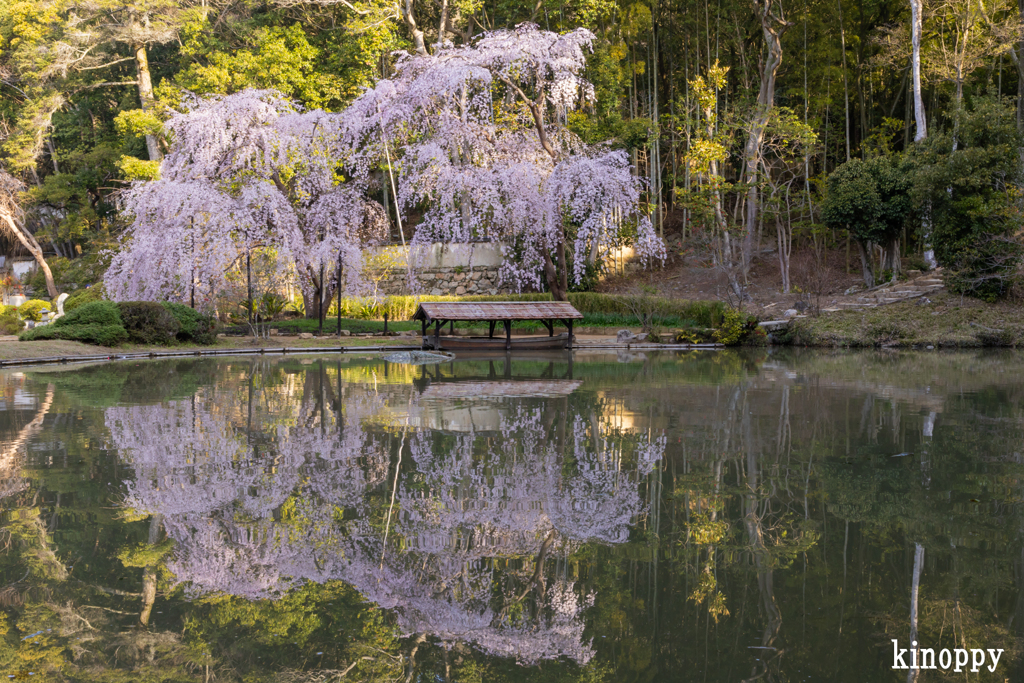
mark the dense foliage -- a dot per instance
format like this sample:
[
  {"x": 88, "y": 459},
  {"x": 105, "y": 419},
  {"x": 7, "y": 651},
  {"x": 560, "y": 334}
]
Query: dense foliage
[
  {"x": 147, "y": 322},
  {"x": 871, "y": 199},
  {"x": 767, "y": 509},
  {"x": 970, "y": 179},
  {"x": 107, "y": 323},
  {"x": 733, "y": 116}
]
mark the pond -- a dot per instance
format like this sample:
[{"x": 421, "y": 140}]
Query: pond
[{"x": 703, "y": 516}]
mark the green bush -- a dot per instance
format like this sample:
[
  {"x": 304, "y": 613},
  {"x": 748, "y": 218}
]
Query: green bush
[
  {"x": 84, "y": 296},
  {"x": 193, "y": 326},
  {"x": 701, "y": 313},
  {"x": 40, "y": 333},
  {"x": 33, "y": 309},
  {"x": 10, "y": 323},
  {"x": 735, "y": 328},
  {"x": 100, "y": 335},
  {"x": 144, "y": 322},
  {"x": 93, "y": 313},
  {"x": 973, "y": 197},
  {"x": 694, "y": 335},
  {"x": 148, "y": 322}
]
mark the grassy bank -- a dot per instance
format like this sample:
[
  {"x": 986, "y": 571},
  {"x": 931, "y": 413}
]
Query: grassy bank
[
  {"x": 945, "y": 321},
  {"x": 700, "y": 313},
  {"x": 598, "y": 322}
]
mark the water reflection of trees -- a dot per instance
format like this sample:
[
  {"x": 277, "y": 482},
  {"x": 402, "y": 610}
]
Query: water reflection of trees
[
  {"x": 464, "y": 534},
  {"x": 806, "y": 496},
  {"x": 776, "y": 540}
]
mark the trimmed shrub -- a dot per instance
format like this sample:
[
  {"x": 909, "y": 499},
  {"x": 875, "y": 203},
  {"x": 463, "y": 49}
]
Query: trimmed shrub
[
  {"x": 39, "y": 333},
  {"x": 148, "y": 322},
  {"x": 10, "y": 323},
  {"x": 100, "y": 335},
  {"x": 193, "y": 326},
  {"x": 84, "y": 296},
  {"x": 33, "y": 309},
  {"x": 93, "y": 313}
]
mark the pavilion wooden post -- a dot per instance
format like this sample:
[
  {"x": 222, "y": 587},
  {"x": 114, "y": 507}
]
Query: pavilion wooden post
[
  {"x": 437, "y": 334},
  {"x": 568, "y": 343},
  {"x": 508, "y": 334},
  {"x": 490, "y": 334},
  {"x": 550, "y": 325}
]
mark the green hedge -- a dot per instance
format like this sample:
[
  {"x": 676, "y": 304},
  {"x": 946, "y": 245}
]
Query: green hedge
[
  {"x": 144, "y": 322},
  {"x": 33, "y": 309},
  {"x": 101, "y": 335},
  {"x": 10, "y": 323},
  {"x": 193, "y": 326},
  {"x": 701, "y": 313},
  {"x": 148, "y": 322},
  {"x": 94, "y": 313}
]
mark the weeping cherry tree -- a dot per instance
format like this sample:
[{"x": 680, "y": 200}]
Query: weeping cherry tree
[
  {"x": 480, "y": 136},
  {"x": 245, "y": 172}
]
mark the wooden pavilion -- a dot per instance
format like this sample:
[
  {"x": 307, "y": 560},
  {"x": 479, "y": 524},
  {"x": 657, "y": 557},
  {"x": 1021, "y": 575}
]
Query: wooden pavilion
[{"x": 547, "y": 313}]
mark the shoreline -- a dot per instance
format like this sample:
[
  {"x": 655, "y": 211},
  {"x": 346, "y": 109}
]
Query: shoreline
[{"x": 60, "y": 352}]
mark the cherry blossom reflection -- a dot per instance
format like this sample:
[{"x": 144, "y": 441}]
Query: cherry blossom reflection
[{"x": 319, "y": 486}]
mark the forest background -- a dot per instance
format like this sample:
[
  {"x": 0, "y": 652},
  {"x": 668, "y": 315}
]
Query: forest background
[{"x": 735, "y": 113}]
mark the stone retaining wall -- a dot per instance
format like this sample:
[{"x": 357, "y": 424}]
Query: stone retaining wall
[{"x": 441, "y": 269}]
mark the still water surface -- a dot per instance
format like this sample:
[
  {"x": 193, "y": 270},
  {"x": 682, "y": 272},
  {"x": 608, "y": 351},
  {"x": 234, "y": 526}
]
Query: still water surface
[{"x": 673, "y": 517}]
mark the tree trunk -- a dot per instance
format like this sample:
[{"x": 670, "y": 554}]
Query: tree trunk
[
  {"x": 920, "y": 120},
  {"x": 921, "y": 123},
  {"x": 865, "y": 263},
  {"x": 772, "y": 28},
  {"x": 891, "y": 258},
  {"x": 1019, "y": 62},
  {"x": 846, "y": 83},
  {"x": 414, "y": 31},
  {"x": 558, "y": 292},
  {"x": 149, "y": 573},
  {"x": 147, "y": 99},
  {"x": 784, "y": 242},
  {"x": 28, "y": 241},
  {"x": 915, "y": 588}
]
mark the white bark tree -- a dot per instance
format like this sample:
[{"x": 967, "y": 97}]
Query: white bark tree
[
  {"x": 12, "y": 223},
  {"x": 773, "y": 25}
]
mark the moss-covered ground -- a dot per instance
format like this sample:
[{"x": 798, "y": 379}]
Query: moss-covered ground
[{"x": 943, "y": 320}]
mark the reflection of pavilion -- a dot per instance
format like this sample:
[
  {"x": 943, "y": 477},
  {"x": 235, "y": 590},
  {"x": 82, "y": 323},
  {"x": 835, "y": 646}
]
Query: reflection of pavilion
[
  {"x": 472, "y": 389},
  {"x": 477, "y": 402}
]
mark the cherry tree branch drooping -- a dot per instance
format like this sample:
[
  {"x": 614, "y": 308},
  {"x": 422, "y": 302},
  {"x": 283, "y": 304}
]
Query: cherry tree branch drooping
[
  {"x": 484, "y": 147},
  {"x": 245, "y": 171}
]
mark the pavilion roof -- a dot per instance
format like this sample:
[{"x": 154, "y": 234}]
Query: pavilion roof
[{"x": 496, "y": 310}]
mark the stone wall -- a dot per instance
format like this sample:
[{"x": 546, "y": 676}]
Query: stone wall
[{"x": 441, "y": 269}]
